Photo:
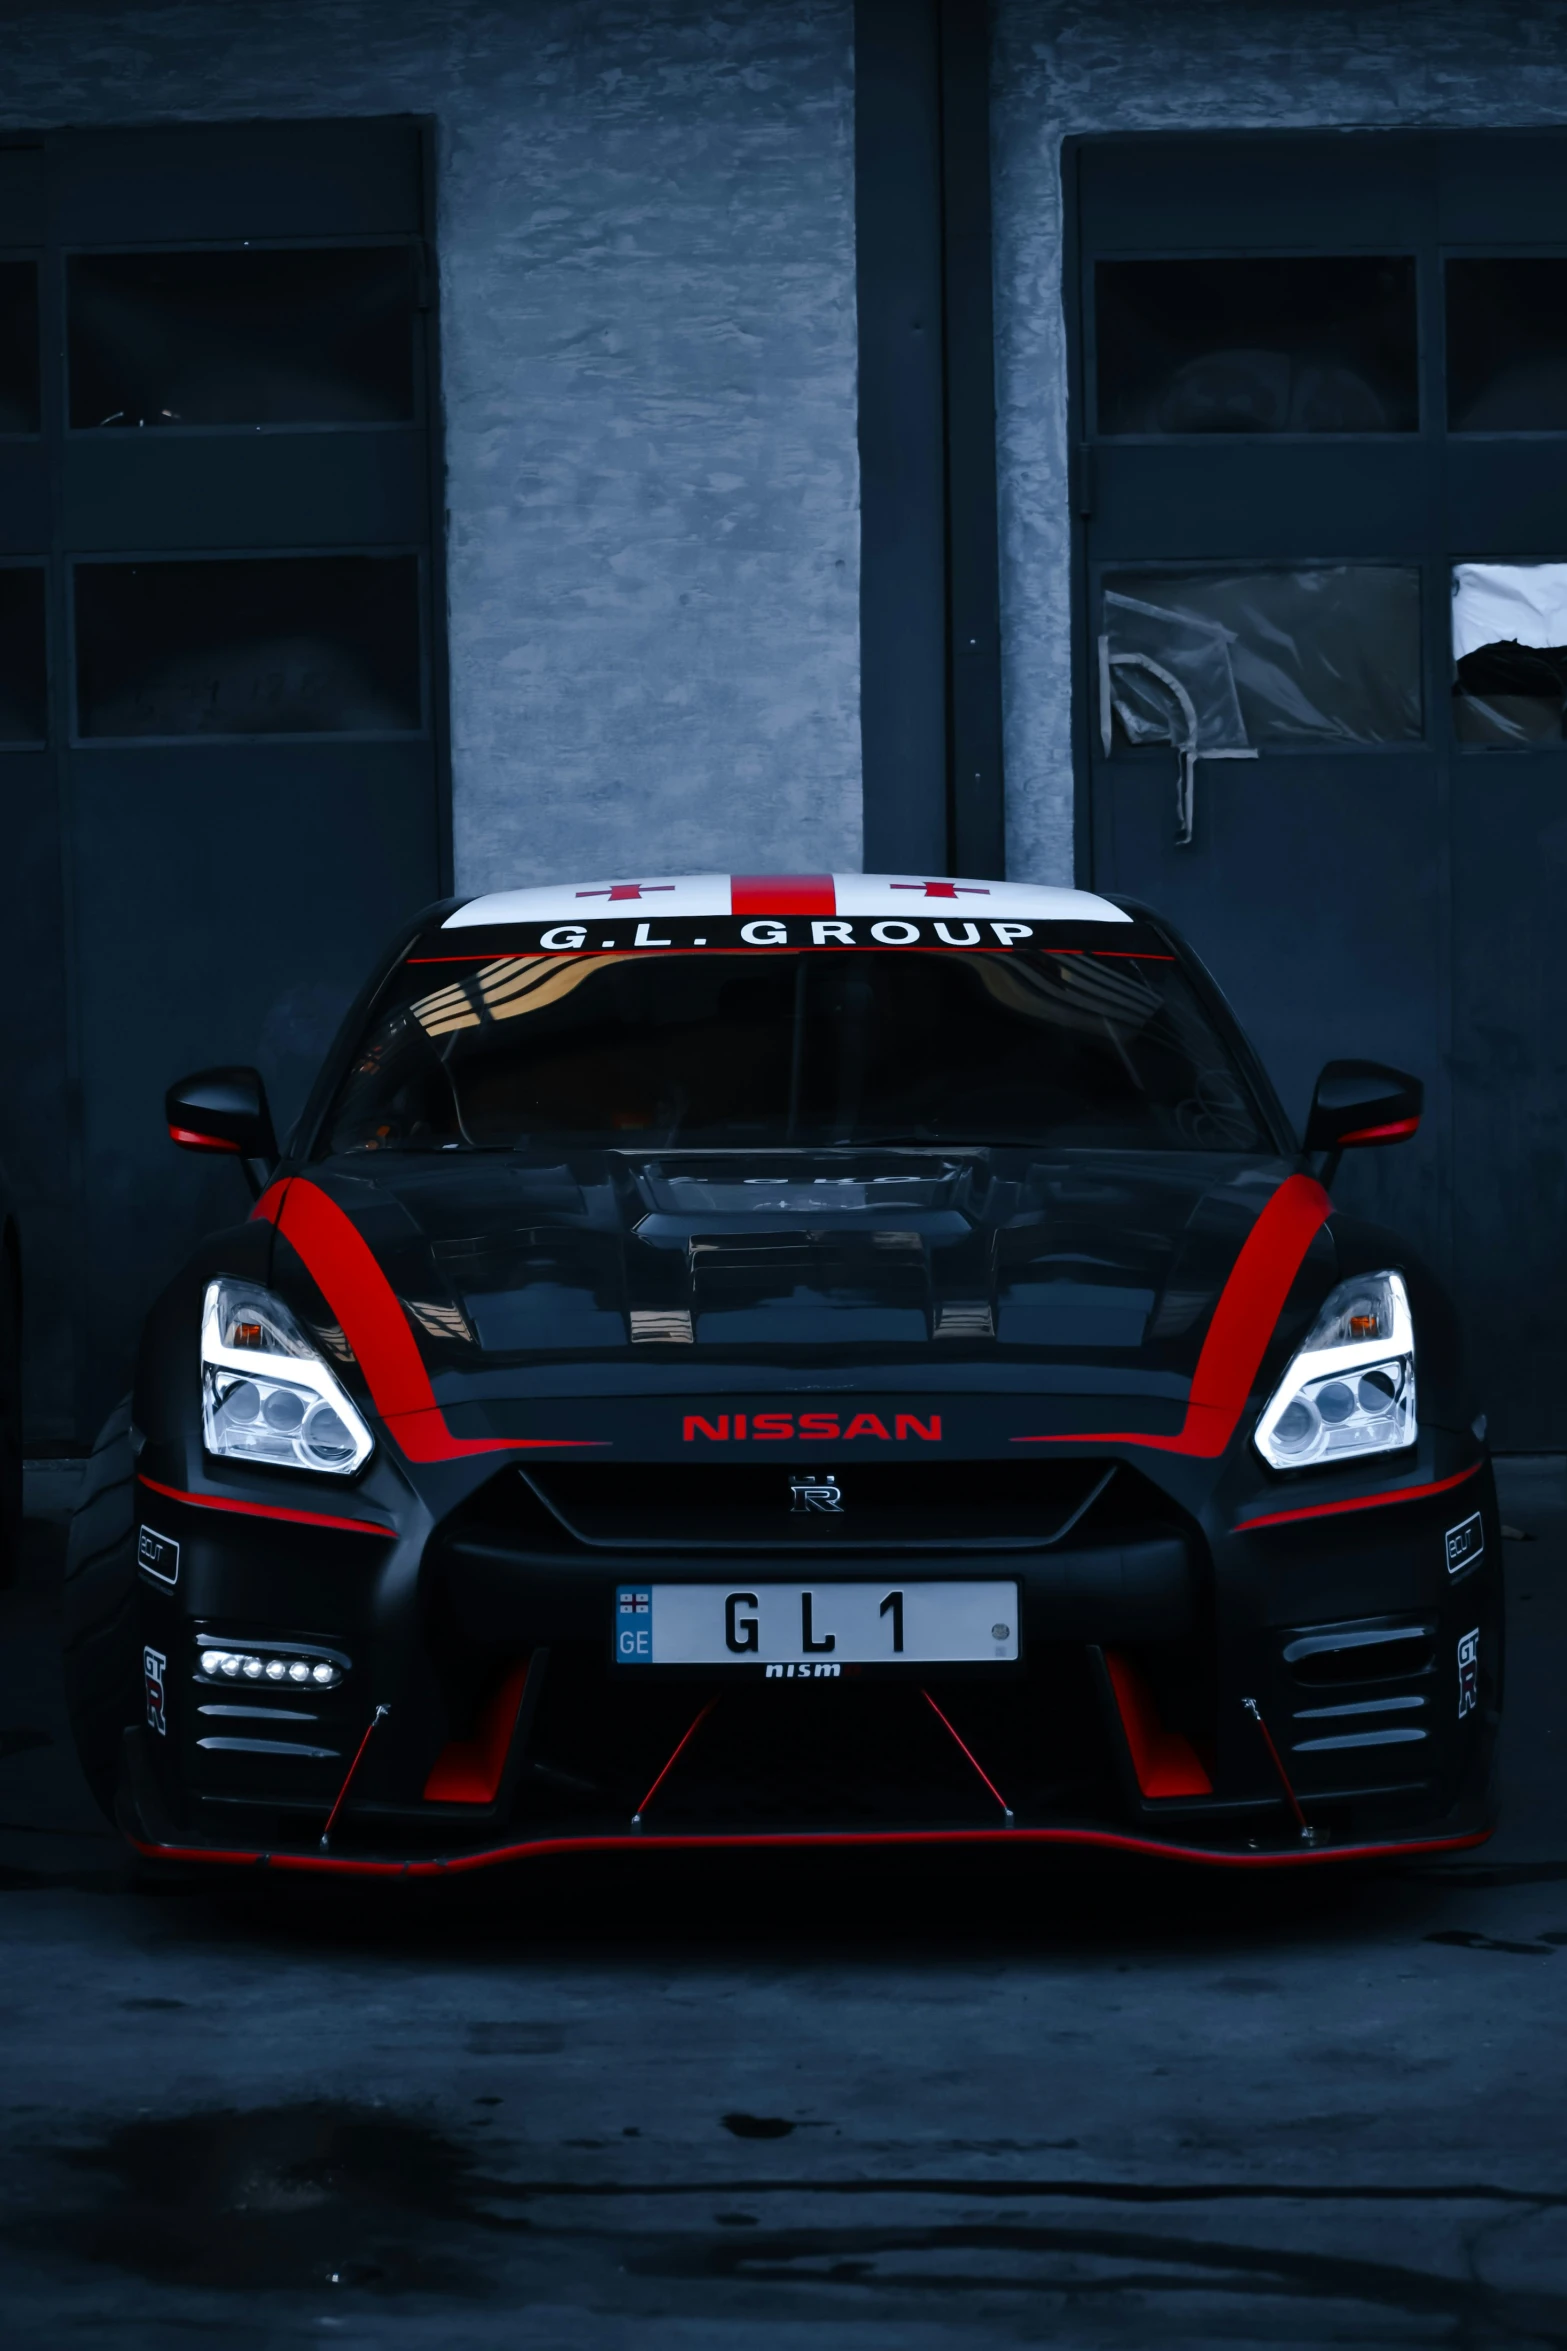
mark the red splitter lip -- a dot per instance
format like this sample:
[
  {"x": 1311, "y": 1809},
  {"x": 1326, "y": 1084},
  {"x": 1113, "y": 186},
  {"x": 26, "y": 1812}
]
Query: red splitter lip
[{"x": 1085, "y": 1839}]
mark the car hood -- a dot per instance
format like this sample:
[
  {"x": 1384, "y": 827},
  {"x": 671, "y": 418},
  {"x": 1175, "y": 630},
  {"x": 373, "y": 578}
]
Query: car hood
[{"x": 673, "y": 1263}]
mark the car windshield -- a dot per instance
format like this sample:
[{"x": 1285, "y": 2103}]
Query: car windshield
[
  {"x": 748, "y": 1049},
  {"x": 814, "y": 1049}
]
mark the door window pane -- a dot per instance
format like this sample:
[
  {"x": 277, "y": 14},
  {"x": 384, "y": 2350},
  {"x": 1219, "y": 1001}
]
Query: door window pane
[
  {"x": 1267, "y": 345},
  {"x": 279, "y": 646},
  {"x": 1259, "y": 658},
  {"x": 241, "y": 338},
  {"x": 1507, "y": 346},
  {"x": 24, "y": 675},
  {"x": 18, "y": 347},
  {"x": 1510, "y": 652}
]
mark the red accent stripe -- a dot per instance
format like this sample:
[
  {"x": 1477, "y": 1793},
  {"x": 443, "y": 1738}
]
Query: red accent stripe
[
  {"x": 188, "y": 1140},
  {"x": 468, "y": 1771},
  {"x": 371, "y": 1726},
  {"x": 1388, "y": 1134},
  {"x": 782, "y": 893},
  {"x": 965, "y": 1749},
  {"x": 346, "y": 1271},
  {"x": 270, "y": 1206},
  {"x": 1102, "y": 1840},
  {"x": 1165, "y": 1763},
  {"x": 1279, "y": 1518},
  {"x": 1277, "y": 1761},
  {"x": 674, "y": 1759},
  {"x": 299, "y": 1518},
  {"x": 1243, "y": 1322}
]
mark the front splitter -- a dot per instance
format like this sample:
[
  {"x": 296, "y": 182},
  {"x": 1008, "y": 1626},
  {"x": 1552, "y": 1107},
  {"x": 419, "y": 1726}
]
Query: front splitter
[{"x": 1303, "y": 1856}]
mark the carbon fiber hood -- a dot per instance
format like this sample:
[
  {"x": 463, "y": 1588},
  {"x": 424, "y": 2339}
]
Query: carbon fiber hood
[{"x": 891, "y": 1256}]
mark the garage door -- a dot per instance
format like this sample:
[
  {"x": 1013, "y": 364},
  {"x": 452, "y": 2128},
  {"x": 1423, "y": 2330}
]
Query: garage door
[
  {"x": 1320, "y": 448},
  {"x": 221, "y": 680}
]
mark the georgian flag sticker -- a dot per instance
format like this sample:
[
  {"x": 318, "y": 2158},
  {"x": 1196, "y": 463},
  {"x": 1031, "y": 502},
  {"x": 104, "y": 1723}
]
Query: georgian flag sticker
[
  {"x": 633, "y": 1625},
  {"x": 1468, "y": 1672}
]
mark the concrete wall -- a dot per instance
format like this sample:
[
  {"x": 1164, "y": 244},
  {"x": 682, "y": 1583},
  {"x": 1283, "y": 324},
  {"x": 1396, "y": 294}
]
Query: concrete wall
[
  {"x": 647, "y": 252},
  {"x": 1063, "y": 66}
]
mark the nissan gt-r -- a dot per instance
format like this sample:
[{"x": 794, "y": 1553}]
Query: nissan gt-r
[{"x": 814, "y": 1358}]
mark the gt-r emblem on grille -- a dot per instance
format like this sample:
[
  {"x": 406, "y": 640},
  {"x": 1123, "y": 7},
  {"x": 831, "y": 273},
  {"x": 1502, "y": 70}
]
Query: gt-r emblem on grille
[{"x": 813, "y": 1493}]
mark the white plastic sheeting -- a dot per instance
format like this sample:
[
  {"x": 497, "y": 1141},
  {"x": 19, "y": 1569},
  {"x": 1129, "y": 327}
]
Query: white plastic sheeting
[{"x": 1508, "y": 604}]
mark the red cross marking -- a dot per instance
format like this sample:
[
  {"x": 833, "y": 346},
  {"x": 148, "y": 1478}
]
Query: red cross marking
[
  {"x": 946, "y": 889},
  {"x": 625, "y": 890}
]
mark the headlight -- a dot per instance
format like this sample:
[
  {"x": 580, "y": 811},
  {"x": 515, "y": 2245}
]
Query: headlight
[
  {"x": 1351, "y": 1388},
  {"x": 266, "y": 1394}
]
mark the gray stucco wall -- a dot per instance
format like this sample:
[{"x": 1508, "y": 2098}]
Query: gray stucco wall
[
  {"x": 1063, "y": 66},
  {"x": 646, "y": 228}
]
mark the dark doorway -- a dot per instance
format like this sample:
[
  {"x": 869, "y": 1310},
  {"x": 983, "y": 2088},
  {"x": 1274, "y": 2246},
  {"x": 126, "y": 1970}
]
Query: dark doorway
[
  {"x": 222, "y": 683},
  {"x": 1319, "y": 399}
]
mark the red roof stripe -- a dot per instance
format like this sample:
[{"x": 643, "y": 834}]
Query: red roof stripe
[{"x": 782, "y": 893}]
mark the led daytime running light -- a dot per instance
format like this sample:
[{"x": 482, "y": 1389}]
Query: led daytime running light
[{"x": 294, "y": 1670}]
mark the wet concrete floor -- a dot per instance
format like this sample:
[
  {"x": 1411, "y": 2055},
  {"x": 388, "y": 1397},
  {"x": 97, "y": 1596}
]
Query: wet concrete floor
[{"x": 899, "y": 2108}]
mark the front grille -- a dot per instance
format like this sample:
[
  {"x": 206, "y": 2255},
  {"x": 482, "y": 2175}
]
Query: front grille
[
  {"x": 901, "y": 1506},
  {"x": 847, "y": 1754}
]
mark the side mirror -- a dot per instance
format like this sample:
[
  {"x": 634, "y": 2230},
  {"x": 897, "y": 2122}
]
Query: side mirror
[
  {"x": 1362, "y": 1103},
  {"x": 225, "y": 1110}
]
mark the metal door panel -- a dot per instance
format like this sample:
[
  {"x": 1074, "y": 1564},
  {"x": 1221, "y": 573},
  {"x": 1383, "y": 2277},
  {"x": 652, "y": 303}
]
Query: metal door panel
[
  {"x": 1501, "y": 187},
  {"x": 1510, "y": 1081},
  {"x": 215, "y": 182},
  {"x": 1507, "y": 497},
  {"x": 35, "y": 1135},
  {"x": 1254, "y": 498},
  {"x": 1398, "y": 901},
  {"x": 286, "y": 489},
  {"x": 1308, "y": 191},
  {"x": 24, "y": 204},
  {"x": 24, "y": 498},
  {"x": 1327, "y": 942},
  {"x": 229, "y": 901}
]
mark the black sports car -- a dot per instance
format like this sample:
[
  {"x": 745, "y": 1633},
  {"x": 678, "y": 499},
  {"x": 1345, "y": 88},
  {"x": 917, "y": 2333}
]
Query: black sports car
[{"x": 841, "y": 1358}]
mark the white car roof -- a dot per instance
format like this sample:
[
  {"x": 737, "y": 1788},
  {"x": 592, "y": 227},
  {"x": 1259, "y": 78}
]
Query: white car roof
[{"x": 719, "y": 894}]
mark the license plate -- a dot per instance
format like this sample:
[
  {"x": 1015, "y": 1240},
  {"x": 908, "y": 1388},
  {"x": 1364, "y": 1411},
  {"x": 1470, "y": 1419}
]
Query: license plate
[{"x": 816, "y": 1629}]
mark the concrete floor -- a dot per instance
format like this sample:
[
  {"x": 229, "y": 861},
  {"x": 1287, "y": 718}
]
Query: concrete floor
[{"x": 895, "y": 2108}]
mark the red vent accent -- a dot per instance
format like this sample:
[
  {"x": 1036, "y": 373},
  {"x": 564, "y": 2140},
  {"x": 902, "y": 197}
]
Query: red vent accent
[
  {"x": 782, "y": 893},
  {"x": 1165, "y": 1763},
  {"x": 469, "y": 1770}
]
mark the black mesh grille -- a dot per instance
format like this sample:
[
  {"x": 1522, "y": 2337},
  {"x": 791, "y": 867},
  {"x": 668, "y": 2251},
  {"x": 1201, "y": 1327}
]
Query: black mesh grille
[
  {"x": 846, "y": 1755},
  {"x": 903, "y": 1506}
]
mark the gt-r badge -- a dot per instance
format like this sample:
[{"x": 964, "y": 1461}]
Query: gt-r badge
[
  {"x": 1468, "y": 1672},
  {"x": 158, "y": 1556},
  {"x": 1464, "y": 1544},
  {"x": 153, "y": 1666},
  {"x": 813, "y": 1493}
]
